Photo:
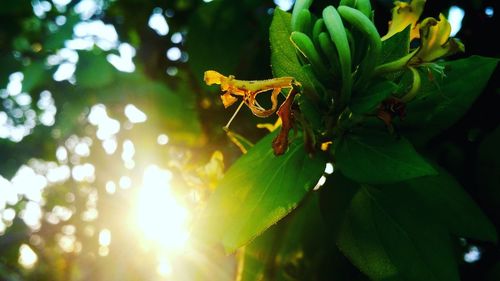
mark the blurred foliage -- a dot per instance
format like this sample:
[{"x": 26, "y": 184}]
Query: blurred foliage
[{"x": 47, "y": 130}]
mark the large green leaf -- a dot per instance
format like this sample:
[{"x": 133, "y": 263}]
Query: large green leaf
[
  {"x": 335, "y": 197},
  {"x": 257, "y": 191},
  {"x": 494, "y": 272},
  {"x": 297, "y": 248},
  {"x": 284, "y": 60},
  {"x": 372, "y": 156},
  {"x": 444, "y": 99},
  {"x": 259, "y": 256},
  {"x": 395, "y": 47},
  {"x": 305, "y": 244},
  {"x": 449, "y": 203},
  {"x": 368, "y": 101},
  {"x": 487, "y": 167},
  {"x": 386, "y": 235}
]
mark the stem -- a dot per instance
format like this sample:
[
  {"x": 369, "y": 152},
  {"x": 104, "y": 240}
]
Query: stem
[
  {"x": 226, "y": 128},
  {"x": 415, "y": 87},
  {"x": 394, "y": 66}
]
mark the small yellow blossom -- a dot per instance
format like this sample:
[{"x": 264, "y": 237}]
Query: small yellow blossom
[
  {"x": 435, "y": 41},
  {"x": 404, "y": 14},
  {"x": 213, "y": 171},
  {"x": 270, "y": 127},
  {"x": 326, "y": 145}
]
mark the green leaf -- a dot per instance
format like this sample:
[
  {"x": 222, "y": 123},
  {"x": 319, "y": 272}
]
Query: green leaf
[
  {"x": 372, "y": 97},
  {"x": 223, "y": 36},
  {"x": 258, "y": 191},
  {"x": 335, "y": 197},
  {"x": 450, "y": 204},
  {"x": 372, "y": 156},
  {"x": 93, "y": 70},
  {"x": 298, "y": 236},
  {"x": 71, "y": 115},
  {"x": 297, "y": 248},
  {"x": 488, "y": 165},
  {"x": 396, "y": 46},
  {"x": 55, "y": 40},
  {"x": 493, "y": 273},
  {"x": 311, "y": 112},
  {"x": 170, "y": 109},
  {"x": 259, "y": 255},
  {"x": 284, "y": 60},
  {"x": 443, "y": 100},
  {"x": 32, "y": 146},
  {"x": 10, "y": 65},
  {"x": 11, "y": 8},
  {"x": 34, "y": 73},
  {"x": 386, "y": 236}
]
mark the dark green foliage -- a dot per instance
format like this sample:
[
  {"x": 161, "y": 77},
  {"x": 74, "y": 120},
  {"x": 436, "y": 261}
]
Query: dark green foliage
[
  {"x": 376, "y": 93},
  {"x": 446, "y": 97},
  {"x": 248, "y": 201},
  {"x": 284, "y": 61},
  {"x": 389, "y": 237},
  {"x": 369, "y": 156}
]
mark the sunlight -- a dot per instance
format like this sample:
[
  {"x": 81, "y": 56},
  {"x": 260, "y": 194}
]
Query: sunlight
[
  {"x": 18, "y": 118},
  {"x": 110, "y": 187},
  {"x": 320, "y": 183},
  {"x": 176, "y": 38},
  {"x": 123, "y": 62},
  {"x": 158, "y": 23},
  {"x": 65, "y": 71},
  {"x": 162, "y": 139},
  {"x": 87, "y": 8},
  {"x": 285, "y": 5},
  {"x": 27, "y": 257},
  {"x": 164, "y": 268},
  {"x": 125, "y": 182},
  {"x": 455, "y": 17},
  {"x": 174, "y": 54},
  {"x": 472, "y": 255},
  {"x": 105, "y": 237},
  {"x": 159, "y": 216},
  {"x": 15, "y": 85},
  {"x": 66, "y": 242},
  {"x": 134, "y": 114},
  {"x": 40, "y": 8},
  {"x": 107, "y": 127},
  {"x": 489, "y": 11},
  {"x": 128, "y": 154}
]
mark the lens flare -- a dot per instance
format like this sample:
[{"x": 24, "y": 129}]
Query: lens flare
[{"x": 160, "y": 217}]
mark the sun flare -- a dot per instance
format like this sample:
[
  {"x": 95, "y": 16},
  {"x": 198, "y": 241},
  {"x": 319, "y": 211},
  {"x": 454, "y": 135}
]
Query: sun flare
[{"x": 160, "y": 218}]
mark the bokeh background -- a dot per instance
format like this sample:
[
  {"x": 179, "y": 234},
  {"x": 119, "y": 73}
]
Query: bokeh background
[{"x": 108, "y": 133}]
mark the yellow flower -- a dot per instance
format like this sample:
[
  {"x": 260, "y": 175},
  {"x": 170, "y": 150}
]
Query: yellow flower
[
  {"x": 270, "y": 127},
  {"x": 435, "y": 41},
  {"x": 404, "y": 14},
  {"x": 213, "y": 171}
]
